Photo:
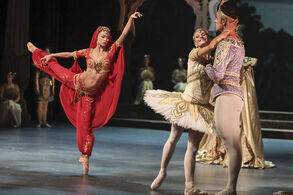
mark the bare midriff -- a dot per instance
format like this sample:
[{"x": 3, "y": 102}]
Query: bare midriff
[{"x": 92, "y": 79}]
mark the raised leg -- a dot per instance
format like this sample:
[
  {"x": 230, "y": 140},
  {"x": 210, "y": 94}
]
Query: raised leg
[{"x": 52, "y": 67}]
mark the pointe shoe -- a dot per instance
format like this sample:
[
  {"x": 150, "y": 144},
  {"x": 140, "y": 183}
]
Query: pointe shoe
[
  {"x": 47, "y": 125},
  {"x": 158, "y": 180},
  {"x": 84, "y": 160},
  {"x": 31, "y": 47},
  {"x": 194, "y": 191}
]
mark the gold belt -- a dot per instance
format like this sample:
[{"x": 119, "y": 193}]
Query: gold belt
[
  {"x": 227, "y": 82},
  {"x": 234, "y": 74}
]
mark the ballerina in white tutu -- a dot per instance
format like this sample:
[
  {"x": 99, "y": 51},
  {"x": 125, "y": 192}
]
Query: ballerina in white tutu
[{"x": 188, "y": 110}]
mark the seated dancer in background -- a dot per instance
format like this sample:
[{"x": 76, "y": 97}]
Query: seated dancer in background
[
  {"x": 10, "y": 109},
  {"x": 179, "y": 76},
  {"x": 147, "y": 76},
  {"x": 188, "y": 110},
  {"x": 89, "y": 98},
  {"x": 227, "y": 93}
]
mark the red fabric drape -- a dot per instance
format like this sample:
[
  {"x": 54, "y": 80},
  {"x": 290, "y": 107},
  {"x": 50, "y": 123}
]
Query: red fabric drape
[
  {"x": 92, "y": 111},
  {"x": 106, "y": 99},
  {"x": 105, "y": 102}
]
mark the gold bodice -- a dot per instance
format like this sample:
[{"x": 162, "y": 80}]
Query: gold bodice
[{"x": 198, "y": 83}]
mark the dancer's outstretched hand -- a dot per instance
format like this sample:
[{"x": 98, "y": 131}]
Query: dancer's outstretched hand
[
  {"x": 46, "y": 58},
  {"x": 135, "y": 15},
  {"x": 127, "y": 27}
]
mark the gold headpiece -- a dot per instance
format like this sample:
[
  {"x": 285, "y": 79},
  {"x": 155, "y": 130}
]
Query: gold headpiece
[
  {"x": 201, "y": 29},
  {"x": 104, "y": 28}
]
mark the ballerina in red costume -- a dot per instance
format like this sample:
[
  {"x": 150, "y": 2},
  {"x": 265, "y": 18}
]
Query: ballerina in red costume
[{"x": 88, "y": 98}]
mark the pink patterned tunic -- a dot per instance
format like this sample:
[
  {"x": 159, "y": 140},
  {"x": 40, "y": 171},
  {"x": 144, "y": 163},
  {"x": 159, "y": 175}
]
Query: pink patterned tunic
[{"x": 226, "y": 69}]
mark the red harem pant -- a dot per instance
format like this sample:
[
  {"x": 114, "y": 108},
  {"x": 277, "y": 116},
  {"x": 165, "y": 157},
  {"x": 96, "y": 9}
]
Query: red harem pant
[{"x": 84, "y": 112}]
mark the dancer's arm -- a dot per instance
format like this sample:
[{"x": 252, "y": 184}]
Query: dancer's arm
[
  {"x": 222, "y": 59},
  {"x": 75, "y": 54},
  {"x": 123, "y": 35},
  {"x": 46, "y": 58},
  {"x": 62, "y": 55},
  {"x": 127, "y": 28},
  {"x": 212, "y": 45}
]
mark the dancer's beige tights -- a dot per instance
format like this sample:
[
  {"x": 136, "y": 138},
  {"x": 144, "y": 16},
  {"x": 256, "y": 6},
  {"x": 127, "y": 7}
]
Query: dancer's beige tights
[
  {"x": 170, "y": 145},
  {"x": 227, "y": 118},
  {"x": 168, "y": 151},
  {"x": 194, "y": 138}
]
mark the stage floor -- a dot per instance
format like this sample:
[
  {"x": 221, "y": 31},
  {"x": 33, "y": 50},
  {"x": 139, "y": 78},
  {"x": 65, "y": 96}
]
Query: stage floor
[{"x": 124, "y": 162}]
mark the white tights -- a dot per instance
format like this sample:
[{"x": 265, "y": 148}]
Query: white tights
[
  {"x": 170, "y": 145},
  {"x": 194, "y": 138},
  {"x": 227, "y": 118},
  {"x": 168, "y": 151}
]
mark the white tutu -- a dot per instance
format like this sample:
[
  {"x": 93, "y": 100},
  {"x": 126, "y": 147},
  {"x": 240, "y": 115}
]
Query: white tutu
[{"x": 180, "y": 112}]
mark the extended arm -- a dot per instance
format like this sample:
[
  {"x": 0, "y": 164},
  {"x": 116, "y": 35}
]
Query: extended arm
[
  {"x": 212, "y": 45},
  {"x": 62, "y": 55},
  {"x": 127, "y": 27}
]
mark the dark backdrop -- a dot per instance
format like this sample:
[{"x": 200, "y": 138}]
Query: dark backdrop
[{"x": 164, "y": 32}]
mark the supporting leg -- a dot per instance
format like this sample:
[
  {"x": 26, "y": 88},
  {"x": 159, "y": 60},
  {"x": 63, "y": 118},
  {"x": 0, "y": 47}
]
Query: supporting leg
[
  {"x": 85, "y": 135},
  {"x": 227, "y": 118},
  {"x": 194, "y": 138}
]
